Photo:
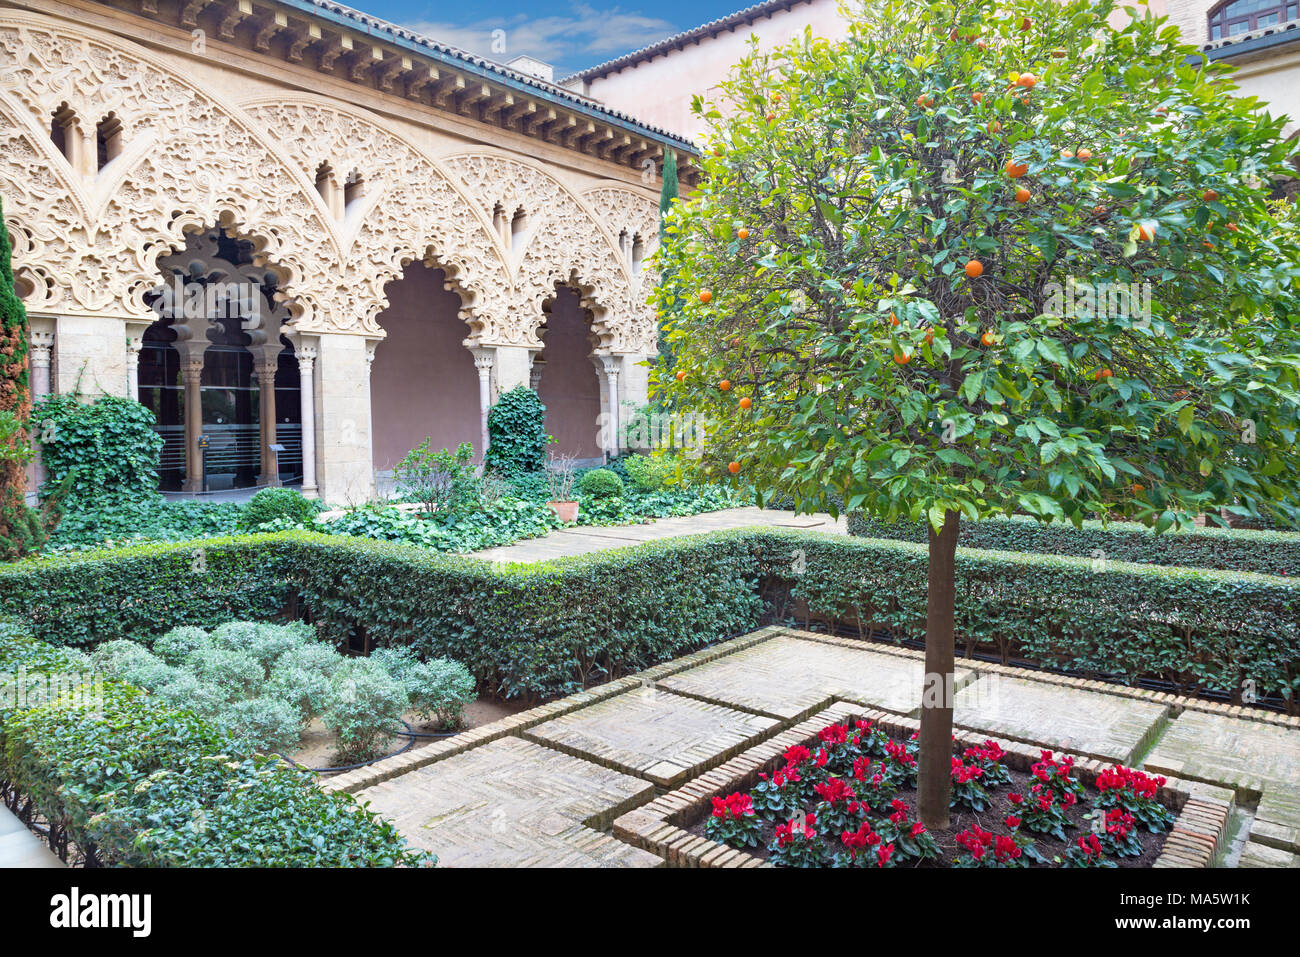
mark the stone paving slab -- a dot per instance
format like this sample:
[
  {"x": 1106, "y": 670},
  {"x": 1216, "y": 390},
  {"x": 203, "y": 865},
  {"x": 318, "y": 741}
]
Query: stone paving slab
[
  {"x": 514, "y": 803},
  {"x": 1244, "y": 755},
  {"x": 1257, "y": 855},
  {"x": 583, "y": 539},
  {"x": 790, "y": 678},
  {"x": 19, "y": 847},
  {"x": 664, "y": 737},
  {"x": 1093, "y": 723}
]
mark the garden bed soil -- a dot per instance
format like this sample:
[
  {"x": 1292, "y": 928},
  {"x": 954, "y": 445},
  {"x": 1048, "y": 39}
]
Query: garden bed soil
[{"x": 992, "y": 820}]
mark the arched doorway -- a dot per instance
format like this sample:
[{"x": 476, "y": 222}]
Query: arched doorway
[
  {"x": 568, "y": 384},
  {"x": 423, "y": 383},
  {"x": 215, "y": 364}
]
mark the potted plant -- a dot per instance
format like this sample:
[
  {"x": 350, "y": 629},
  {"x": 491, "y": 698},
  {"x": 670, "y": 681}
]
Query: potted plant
[{"x": 560, "y": 475}]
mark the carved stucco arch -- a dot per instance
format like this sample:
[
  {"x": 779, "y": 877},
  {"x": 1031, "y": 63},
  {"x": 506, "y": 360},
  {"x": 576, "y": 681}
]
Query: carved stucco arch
[
  {"x": 191, "y": 162},
  {"x": 412, "y": 210},
  {"x": 566, "y": 243}
]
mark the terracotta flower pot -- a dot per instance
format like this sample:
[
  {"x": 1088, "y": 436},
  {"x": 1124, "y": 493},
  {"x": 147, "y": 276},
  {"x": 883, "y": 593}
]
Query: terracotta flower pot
[{"x": 565, "y": 511}]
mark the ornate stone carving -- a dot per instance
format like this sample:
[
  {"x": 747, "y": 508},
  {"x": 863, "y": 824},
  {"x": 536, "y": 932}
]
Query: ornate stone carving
[{"x": 91, "y": 243}]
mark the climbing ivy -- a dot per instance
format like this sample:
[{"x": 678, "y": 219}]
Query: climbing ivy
[{"x": 517, "y": 433}]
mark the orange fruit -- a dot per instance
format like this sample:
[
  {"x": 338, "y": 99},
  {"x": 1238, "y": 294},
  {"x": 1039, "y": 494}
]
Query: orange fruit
[
  {"x": 929, "y": 335},
  {"x": 770, "y": 117},
  {"x": 706, "y": 296},
  {"x": 977, "y": 97},
  {"x": 1027, "y": 80},
  {"x": 733, "y": 467},
  {"x": 974, "y": 269},
  {"x": 743, "y": 233},
  {"x": 681, "y": 376},
  {"x": 1137, "y": 488},
  {"x": 1016, "y": 170},
  {"x": 1209, "y": 196},
  {"x": 1067, "y": 154},
  {"x": 725, "y": 385},
  {"x": 1084, "y": 154},
  {"x": 1099, "y": 210},
  {"x": 1146, "y": 233},
  {"x": 1232, "y": 227},
  {"x": 1104, "y": 374},
  {"x": 902, "y": 358},
  {"x": 987, "y": 338},
  {"x": 1207, "y": 244},
  {"x": 1022, "y": 195},
  {"x": 746, "y": 402},
  {"x": 893, "y": 319},
  {"x": 995, "y": 127},
  {"x": 717, "y": 151}
]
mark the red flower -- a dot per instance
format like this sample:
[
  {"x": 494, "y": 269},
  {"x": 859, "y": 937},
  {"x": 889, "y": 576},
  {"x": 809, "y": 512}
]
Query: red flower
[
  {"x": 834, "y": 733},
  {"x": 1012, "y": 821},
  {"x": 833, "y": 791},
  {"x": 1015, "y": 798}
]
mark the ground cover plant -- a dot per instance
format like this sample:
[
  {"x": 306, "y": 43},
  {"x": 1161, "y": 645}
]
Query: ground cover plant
[
  {"x": 122, "y": 778},
  {"x": 872, "y": 293},
  {"x": 264, "y": 683},
  {"x": 849, "y": 800}
]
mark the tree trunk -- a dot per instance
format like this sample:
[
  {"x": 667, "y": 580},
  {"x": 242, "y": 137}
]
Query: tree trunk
[{"x": 934, "y": 786}]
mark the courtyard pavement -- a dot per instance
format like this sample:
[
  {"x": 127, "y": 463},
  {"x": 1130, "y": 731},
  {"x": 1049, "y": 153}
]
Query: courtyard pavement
[
  {"x": 543, "y": 787},
  {"x": 578, "y": 540}
]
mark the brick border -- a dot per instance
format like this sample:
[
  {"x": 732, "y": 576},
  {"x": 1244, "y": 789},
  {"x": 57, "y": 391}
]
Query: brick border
[{"x": 1196, "y": 838}]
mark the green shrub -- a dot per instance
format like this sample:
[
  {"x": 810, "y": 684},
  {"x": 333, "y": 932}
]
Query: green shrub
[
  {"x": 364, "y": 708},
  {"x": 178, "y": 644},
  {"x": 438, "y": 689},
  {"x": 554, "y": 627},
  {"x": 140, "y": 518},
  {"x": 305, "y": 691},
  {"x": 1272, "y": 553},
  {"x": 266, "y": 723},
  {"x": 133, "y": 781},
  {"x": 517, "y": 436},
  {"x": 109, "y": 446},
  {"x": 261, "y": 643},
  {"x": 132, "y": 663},
  {"x": 441, "y": 481},
  {"x": 650, "y": 473},
  {"x": 231, "y": 674},
  {"x": 278, "y": 504},
  {"x": 600, "y": 484}
]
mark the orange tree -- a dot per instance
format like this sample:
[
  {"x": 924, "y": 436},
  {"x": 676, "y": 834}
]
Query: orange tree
[{"x": 981, "y": 259}]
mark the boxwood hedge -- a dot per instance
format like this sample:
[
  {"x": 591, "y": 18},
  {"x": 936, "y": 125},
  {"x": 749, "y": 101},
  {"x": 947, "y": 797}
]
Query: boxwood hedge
[
  {"x": 551, "y": 627},
  {"x": 1230, "y": 549}
]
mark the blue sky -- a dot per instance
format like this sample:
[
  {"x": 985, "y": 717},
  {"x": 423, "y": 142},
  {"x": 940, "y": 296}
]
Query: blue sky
[{"x": 569, "y": 35}]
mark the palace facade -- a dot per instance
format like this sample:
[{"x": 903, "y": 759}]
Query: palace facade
[{"x": 307, "y": 239}]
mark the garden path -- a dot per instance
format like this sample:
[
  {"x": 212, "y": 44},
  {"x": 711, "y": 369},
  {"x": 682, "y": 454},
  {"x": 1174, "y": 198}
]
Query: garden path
[
  {"x": 578, "y": 540},
  {"x": 572, "y": 782},
  {"x": 19, "y": 847}
]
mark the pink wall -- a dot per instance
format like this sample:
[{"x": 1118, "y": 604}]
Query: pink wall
[
  {"x": 423, "y": 381},
  {"x": 570, "y": 388}
]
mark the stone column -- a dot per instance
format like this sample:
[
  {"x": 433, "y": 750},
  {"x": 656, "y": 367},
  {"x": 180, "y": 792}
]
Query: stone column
[
  {"x": 483, "y": 363},
  {"x": 266, "y": 421},
  {"x": 535, "y": 368},
  {"x": 133, "y": 346},
  {"x": 307, "y": 391},
  {"x": 371, "y": 345},
  {"x": 192, "y": 371},
  {"x": 42, "y": 347},
  {"x": 610, "y": 366}
]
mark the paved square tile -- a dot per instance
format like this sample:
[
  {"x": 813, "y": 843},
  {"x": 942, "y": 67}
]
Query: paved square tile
[
  {"x": 1228, "y": 751},
  {"x": 513, "y": 803},
  {"x": 1092, "y": 723},
  {"x": 654, "y": 734},
  {"x": 791, "y": 677}
]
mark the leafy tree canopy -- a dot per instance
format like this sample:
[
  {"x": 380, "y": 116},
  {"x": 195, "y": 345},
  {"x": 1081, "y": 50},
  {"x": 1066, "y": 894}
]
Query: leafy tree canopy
[{"x": 985, "y": 259}]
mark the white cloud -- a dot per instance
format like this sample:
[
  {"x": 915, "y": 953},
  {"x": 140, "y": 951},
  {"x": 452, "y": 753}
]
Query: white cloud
[{"x": 582, "y": 38}]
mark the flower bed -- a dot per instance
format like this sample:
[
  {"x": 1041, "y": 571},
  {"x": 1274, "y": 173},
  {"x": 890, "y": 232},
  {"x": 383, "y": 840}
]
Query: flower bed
[
  {"x": 729, "y": 816},
  {"x": 850, "y": 801}
]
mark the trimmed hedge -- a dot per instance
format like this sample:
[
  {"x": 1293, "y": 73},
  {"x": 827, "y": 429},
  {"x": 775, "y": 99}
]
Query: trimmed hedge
[
  {"x": 552, "y": 627},
  {"x": 131, "y": 781},
  {"x": 1228, "y": 549}
]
